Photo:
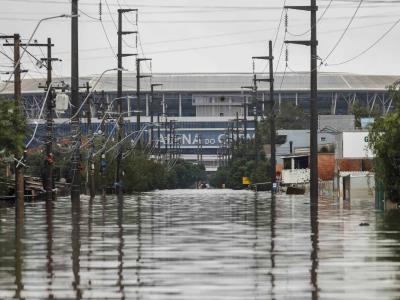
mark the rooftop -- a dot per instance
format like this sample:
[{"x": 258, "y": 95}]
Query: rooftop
[{"x": 227, "y": 82}]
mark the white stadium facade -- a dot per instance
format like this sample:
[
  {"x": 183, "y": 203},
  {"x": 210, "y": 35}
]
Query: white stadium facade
[{"x": 205, "y": 104}]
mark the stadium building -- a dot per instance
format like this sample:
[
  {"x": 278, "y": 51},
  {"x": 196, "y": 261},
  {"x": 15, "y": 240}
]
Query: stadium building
[{"x": 202, "y": 106}]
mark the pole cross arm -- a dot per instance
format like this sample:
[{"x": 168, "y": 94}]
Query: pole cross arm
[
  {"x": 125, "y": 10},
  {"x": 127, "y": 54},
  {"x": 247, "y": 87},
  {"x": 143, "y": 59},
  {"x": 127, "y": 32},
  {"x": 264, "y": 80},
  {"x": 145, "y": 76},
  {"x": 52, "y": 59},
  {"x": 156, "y": 84},
  {"x": 6, "y": 36},
  {"x": 305, "y": 43},
  {"x": 306, "y": 8},
  {"x": 263, "y": 57},
  {"x": 36, "y": 45}
]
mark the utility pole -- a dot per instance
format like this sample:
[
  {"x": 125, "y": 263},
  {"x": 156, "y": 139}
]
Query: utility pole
[
  {"x": 313, "y": 43},
  {"x": 91, "y": 167},
  {"x": 18, "y": 165},
  {"x": 166, "y": 138},
  {"x": 138, "y": 77},
  {"x": 76, "y": 134},
  {"x": 272, "y": 118},
  {"x": 49, "y": 114},
  {"x": 237, "y": 131},
  {"x": 255, "y": 111},
  {"x": 49, "y": 121},
  {"x": 120, "y": 55},
  {"x": 270, "y": 59},
  {"x": 158, "y": 135},
  {"x": 19, "y": 171},
  {"x": 49, "y": 125},
  {"x": 152, "y": 103},
  {"x": 245, "y": 110}
]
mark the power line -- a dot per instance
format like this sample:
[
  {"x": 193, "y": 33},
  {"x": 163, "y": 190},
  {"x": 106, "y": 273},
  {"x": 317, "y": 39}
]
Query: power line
[
  {"x": 318, "y": 20},
  {"x": 279, "y": 26},
  {"x": 344, "y": 32},
  {"x": 368, "y": 48}
]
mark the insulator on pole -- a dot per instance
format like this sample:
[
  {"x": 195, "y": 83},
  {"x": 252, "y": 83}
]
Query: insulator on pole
[
  {"x": 287, "y": 54},
  {"x": 286, "y": 21},
  {"x": 100, "y": 10}
]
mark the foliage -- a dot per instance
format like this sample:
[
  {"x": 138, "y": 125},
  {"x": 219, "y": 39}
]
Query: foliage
[
  {"x": 184, "y": 175},
  {"x": 384, "y": 138},
  {"x": 248, "y": 161},
  {"x": 359, "y": 111},
  {"x": 288, "y": 117},
  {"x": 142, "y": 173},
  {"x": 13, "y": 128}
]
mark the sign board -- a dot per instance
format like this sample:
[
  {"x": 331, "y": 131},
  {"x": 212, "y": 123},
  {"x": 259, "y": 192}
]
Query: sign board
[
  {"x": 355, "y": 145},
  {"x": 246, "y": 180},
  {"x": 208, "y": 137},
  {"x": 365, "y": 122}
]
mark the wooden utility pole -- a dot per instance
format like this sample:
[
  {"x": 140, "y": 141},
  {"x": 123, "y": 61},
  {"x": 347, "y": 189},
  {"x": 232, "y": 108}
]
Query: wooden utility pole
[
  {"x": 313, "y": 43},
  {"x": 49, "y": 126},
  {"x": 120, "y": 55},
  {"x": 19, "y": 171},
  {"x": 75, "y": 126},
  {"x": 91, "y": 166},
  {"x": 152, "y": 106},
  {"x": 272, "y": 117},
  {"x": 18, "y": 165},
  {"x": 270, "y": 59},
  {"x": 138, "y": 105}
]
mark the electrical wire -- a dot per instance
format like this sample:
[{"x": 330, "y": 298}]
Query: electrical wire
[
  {"x": 368, "y": 48},
  {"x": 344, "y": 32},
  {"x": 318, "y": 20},
  {"x": 279, "y": 26}
]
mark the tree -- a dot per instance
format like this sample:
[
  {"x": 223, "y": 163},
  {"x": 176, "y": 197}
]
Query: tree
[
  {"x": 384, "y": 139},
  {"x": 13, "y": 128},
  {"x": 288, "y": 117},
  {"x": 12, "y": 136},
  {"x": 359, "y": 111}
]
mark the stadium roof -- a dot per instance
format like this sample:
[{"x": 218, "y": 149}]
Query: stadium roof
[{"x": 227, "y": 82}]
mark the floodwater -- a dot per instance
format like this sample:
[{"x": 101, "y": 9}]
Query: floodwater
[{"x": 199, "y": 244}]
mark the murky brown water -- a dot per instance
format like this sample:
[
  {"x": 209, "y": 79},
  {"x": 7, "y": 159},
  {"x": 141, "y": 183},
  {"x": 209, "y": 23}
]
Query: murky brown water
[{"x": 206, "y": 244}]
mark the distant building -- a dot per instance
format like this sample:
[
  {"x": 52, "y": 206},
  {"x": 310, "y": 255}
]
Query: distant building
[{"x": 205, "y": 103}]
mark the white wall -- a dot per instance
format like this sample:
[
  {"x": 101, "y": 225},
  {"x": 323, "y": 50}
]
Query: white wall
[{"x": 355, "y": 145}]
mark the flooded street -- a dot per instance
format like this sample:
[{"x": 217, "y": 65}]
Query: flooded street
[{"x": 199, "y": 244}]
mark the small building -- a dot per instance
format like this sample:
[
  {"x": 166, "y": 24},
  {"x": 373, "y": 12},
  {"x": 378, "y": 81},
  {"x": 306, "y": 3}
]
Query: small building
[{"x": 296, "y": 169}]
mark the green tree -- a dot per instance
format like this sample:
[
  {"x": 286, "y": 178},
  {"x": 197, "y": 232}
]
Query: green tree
[
  {"x": 13, "y": 128},
  {"x": 289, "y": 116},
  {"x": 360, "y": 111},
  {"x": 384, "y": 138},
  {"x": 13, "y": 131}
]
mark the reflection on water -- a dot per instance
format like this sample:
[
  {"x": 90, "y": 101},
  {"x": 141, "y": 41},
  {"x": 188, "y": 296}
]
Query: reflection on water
[{"x": 199, "y": 244}]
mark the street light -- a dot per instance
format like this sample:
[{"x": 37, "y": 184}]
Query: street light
[{"x": 30, "y": 40}]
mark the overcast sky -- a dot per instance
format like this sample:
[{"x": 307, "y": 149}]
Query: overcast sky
[{"x": 209, "y": 35}]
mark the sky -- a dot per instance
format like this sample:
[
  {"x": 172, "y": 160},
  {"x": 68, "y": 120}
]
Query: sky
[{"x": 209, "y": 35}]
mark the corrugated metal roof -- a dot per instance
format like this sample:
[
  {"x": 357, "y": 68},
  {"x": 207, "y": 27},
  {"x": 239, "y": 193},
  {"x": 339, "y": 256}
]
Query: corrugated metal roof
[{"x": 213, "y": 82}]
